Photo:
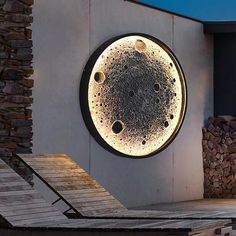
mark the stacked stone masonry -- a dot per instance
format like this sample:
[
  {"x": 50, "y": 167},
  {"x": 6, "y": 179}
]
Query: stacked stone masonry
[
  {"x": 15, "y": 82},
  {"x": 219, "y": 157}
]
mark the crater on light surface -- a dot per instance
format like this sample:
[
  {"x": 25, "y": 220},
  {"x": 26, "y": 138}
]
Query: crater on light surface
[{"x": 136, "y": 96}]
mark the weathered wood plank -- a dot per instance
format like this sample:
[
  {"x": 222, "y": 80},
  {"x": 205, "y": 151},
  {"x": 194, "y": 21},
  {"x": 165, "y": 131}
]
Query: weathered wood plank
[
  {"x": 20, "y": 207},
  {"x": 98, "y": 208},
  {"x": 57, "y": 166},
  {"x": 76, "y": 179},
  {"x": 73, "y": 176},
  {"x": 14, "y": 188},
  {"x": 73, "y": 179},
  {"x": 191, "y": 226},
  {"x": 31, "y": 216},
  {"x": 101, "y": 213},
  {"x": 36, "y": 220},
  {"x": 105, "y": 207},
  {"x": 83, "y": 191},
  {"x": 59, "y": 171},
  {"x": 93, "y": 201},
  {"x": 14, "y": 184},
  {"x": 21, "y": 212},
  {"x": 19, "y": 203},
  {"x": 42, "y": 155},
  {"x": 59, "y": 187},
  {"x": 10, "y": 179},
  {"x": 47, "y": 161},
  {"x": 16, "y": 204},
  {"x": 12, "y": 174},
  {"x": 5, "y": 171},
  {"x": 79, "y": 184},
  {"x": 30, "y": 192},
  {"x": 100, "y": 195},
  {"x": 19, "y": 199}
]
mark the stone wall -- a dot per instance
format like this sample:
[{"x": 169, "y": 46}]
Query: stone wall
[
  {"x": 219, "y": 157},
  {"x": 15, "y": 83}
]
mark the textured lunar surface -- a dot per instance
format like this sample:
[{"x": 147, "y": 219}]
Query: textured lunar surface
[{"x": 136, "y": 96}]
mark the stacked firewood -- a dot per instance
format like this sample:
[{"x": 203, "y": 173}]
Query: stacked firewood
[{"x": 219, "y": 157}]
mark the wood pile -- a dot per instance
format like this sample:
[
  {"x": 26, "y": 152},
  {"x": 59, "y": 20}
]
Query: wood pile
[{"x": 219, "y": 157}]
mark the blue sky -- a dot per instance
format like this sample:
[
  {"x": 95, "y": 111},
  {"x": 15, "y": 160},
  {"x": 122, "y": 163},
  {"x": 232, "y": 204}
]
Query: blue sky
[{"x": 200, "y": 9}]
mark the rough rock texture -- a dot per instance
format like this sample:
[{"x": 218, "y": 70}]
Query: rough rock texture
[
  {"x": 15, "y": 82},
  {"x": 219, "y": 157}
]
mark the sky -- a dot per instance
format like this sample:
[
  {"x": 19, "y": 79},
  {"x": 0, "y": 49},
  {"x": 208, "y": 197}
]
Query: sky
[{"x": 206, "y": 10}]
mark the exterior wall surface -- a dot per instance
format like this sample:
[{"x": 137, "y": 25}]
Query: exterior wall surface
[{"x": 65, "y": 33}]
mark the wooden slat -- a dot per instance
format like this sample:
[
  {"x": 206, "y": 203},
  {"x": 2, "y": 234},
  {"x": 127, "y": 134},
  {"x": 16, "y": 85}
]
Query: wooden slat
[
  {"x": 42, "y": 155},
  {"x": 12, "y": 174},
  {"x": 95, "y": 207},
  {"x": 43, "y": 220},
  {"x": 19, "y": 207},
  {"x": 107, "y": 213},
  {"x": 34, "y": 211},
  {"x": 30, "y": 192},
  {"x": 83, "y": 191},
  {"x": 73, "y": 179},
  {"x": 33, "y": 215},
  {"x": 160, "y": 225},
  {"x": 49, "y": 161},
  {"x": 86, "y": 195},
  {"x": 4, "y": 171},
  {"x": 68, "y": 187},
  {"x": 73, "y": 184},
  {"x": 93, "y": 202},
  {"x": 20, "y": 198},
  {"x": 19, "y": 203},
  {"x": 13, "y": 188},
  {"x": 16, "y": 204},
  {"x": 54, "y": 166},
  {"x": 14, "y": 184},
  {"x": 90, "y": 196},
  {"x": 10, "y": 179},
  {"x": 59, "y": 171}
]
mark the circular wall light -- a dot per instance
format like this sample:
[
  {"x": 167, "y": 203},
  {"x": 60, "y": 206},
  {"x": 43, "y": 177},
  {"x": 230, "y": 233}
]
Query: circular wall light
[{"x": 133, "y": 95}]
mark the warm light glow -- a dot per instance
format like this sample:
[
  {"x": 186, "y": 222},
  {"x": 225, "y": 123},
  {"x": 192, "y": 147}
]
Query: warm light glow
[{"x": 136, "y": 96}]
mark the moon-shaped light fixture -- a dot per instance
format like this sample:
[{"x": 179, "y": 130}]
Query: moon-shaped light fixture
[{"x": 133, "y": 95}]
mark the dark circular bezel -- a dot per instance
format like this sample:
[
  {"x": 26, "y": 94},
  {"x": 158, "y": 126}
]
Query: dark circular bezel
[{"x": 83, "y": 96}]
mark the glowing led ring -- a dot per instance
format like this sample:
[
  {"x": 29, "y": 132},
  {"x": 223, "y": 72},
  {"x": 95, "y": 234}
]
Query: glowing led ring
[{"x": 133, "y": 95}]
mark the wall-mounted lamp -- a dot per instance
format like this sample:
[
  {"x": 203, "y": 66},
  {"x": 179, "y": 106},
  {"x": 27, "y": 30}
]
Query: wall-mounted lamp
[{"x": 133, "y": 95}]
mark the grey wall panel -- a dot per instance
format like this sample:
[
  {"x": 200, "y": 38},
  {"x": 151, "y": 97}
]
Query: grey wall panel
[
  {"x": 66, "y": 32},
  {"x": 194, "y": 51},
  {"x": 61, "y": 48},
  {"x": 111, "y": 17}
]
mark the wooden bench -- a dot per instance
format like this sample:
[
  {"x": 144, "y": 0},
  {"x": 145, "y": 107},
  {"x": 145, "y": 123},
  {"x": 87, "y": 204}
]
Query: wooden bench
[
  {"x": 24, "y": 212},
  {"x": 19, "y": 203},
  {"x": 88, "y": 198},
  {"x": 92, "y": 227}
]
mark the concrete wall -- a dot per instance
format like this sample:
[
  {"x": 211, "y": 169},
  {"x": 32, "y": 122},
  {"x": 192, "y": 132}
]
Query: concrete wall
[{"x": 65, "y": 33}]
